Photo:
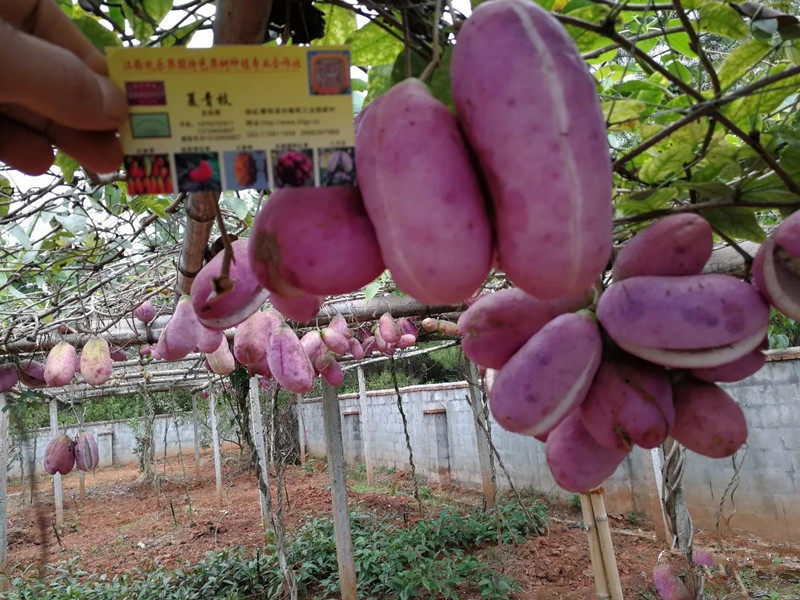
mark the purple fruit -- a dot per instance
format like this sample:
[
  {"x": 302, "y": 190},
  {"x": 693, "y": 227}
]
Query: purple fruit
[
  {"x": 737, "y": 370},
  {"x": 145, "y": 312},
  {"x": 59, "y": 456},
  {"x": 221, "y": 361},
  {"x": 8, "y": 377},
  {"x": 334, "y": 340},
  {"x": 31, "y": 373},
  {"x": 181, "y": 334},
  {"x": 96, "y": 361},
  {"x": 669, "y": 586},
  {"x": 59, "y": 368},
  {"x": 390, "y": 330},
  {"x": 298, "y": 308},
  {"x": 288, "y": 361},
  {"x": 87, "y": 457}
]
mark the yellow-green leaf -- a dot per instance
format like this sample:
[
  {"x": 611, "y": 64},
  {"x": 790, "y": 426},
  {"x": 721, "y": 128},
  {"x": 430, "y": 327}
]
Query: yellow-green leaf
[
  {"x": 719, "y": 18},
  {"x": 371, "y": 46},
  {"x": 666, "y": 163},
  {"x": 736, "y": 222},
  {"x": 742, "y": 60},
  {"x": 623, "y": 115}
]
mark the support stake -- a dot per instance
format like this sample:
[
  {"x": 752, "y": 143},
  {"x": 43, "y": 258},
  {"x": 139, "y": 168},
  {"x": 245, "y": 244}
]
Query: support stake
[
  {"x": 57, "y": 495},
  {"x": 301, "y": 428},
  {"x": 212, "y": 410},
  {"x": 365, "y": 429},
  {"x": 196, "y": 433},
  {"x": 257, "y": 430}
]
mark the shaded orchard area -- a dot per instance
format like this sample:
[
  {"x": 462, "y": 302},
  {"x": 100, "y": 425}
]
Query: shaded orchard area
[{"x": 124, "y": 525}]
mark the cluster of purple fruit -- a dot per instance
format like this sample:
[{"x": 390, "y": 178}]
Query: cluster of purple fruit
[{"x": 63, "y": 454}]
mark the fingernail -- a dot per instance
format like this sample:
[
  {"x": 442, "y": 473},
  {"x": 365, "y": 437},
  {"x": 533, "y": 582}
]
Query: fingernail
[{"x": 115, "y": 104}]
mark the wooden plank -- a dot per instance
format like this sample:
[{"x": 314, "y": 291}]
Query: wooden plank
[
  {"x": 57, "y": 493},
  {"x": 212, "y": 409},
  {"x": 257, "y": 431},
  {"x": 332, "y": 420},
  {"x": 476, "y": 404},
  {"x": 369, "y": 463}
]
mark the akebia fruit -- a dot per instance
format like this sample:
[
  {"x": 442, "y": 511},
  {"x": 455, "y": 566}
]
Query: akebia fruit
[
  {"x": 707, "y": 420},
  {"x": 776, "y": 267},
  {"x": 96, "y": 361},
  {"x": 31, "y": 373},
  {"x": 578, "y": 463},
  {"x": 335, "y": 341},
  {"x": 737, "y": 370},
  {"x": 549, "y": 376},
  {"x": 181, "y": 334},
  {"x": 251, "y": 342},
  {"x": 540, "y": 140},
  {"x": 668, "y": 585},
  {"x": 693, "y": 321},
  {"x": 219, "y": 307},
  {"x": 87, "y": 456},
  {"x": 221, "y": 361},
  {"x": 59, "y": 368},
  {"x": 390, "y": 330},
  {"x": 208, "y": 339},
  {"x": 318, "y": 240},
  {"x": 59, "y": 456},
  {"x": 428, "y": 215},
  {"x": 675, "y": 245},
  {"x": 145, "y": 312},
  {"x": 288, "y": 361},
  {"x": 629, "y": 402},
  {"x": 498, "y": 324},
  {"x": 9, "y": 376},
  {"x": 298, "y": 308}
]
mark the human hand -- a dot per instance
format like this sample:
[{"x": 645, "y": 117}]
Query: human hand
[{"x": 54, "y": 91}]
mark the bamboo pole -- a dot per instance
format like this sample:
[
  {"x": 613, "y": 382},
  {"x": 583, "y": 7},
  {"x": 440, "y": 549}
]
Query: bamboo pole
[
  {"x": 595, "y": 553},
  {"x": 332, "y": 419},
  {"x": 212, "y": 409},
  {"x": 365, "y": 428},
  {"x": 606, "y": 545},
  {"x": 57, "y": 493}
]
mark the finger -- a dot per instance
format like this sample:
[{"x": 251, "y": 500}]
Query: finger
[
  {"x": 44, "y": 19},
  {"x": 24, "y": 149},
  {"x": 55, "y": 83},
  {"x": 98, "y": 151}
]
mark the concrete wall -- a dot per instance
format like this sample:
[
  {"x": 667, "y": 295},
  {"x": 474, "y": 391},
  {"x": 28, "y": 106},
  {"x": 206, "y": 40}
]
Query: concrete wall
[
  {"x": 116, "y": 441},
  {"x": 768, "y": 493}
]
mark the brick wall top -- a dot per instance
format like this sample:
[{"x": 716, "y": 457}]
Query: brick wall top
[{"x": 428, "y": 387}]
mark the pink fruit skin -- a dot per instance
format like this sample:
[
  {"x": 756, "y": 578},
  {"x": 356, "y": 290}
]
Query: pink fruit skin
[
  {"x": 429, "y": 216},
  {"x": 356, "y": 349},
  {"x": 96, "y": 362},
  {"x": 406, "y": 341},
  {"x": 682, "y": 313},
  {"x": 669, "y": 586},
  {"x": 31, "y": 373},
  {"x": 737, "y": 370},
  {"x": 549, "y": 376},
  {"x": 59, "y": 368},
  {"x": 145, "y": 312},
  {"x": 340, "y": 324},
  {"x": 288, "y": 361},
  {"x": 335, "y": 341},
  {"x": 8, "y": 377},
  {"x": 59, "y": 456},
  {"x": 299, "y": 308},
  {"x": 629, "y": 402},
  {"x": 675, "y": 245},
  {"x": 703, "y": 558},
  {"x": 390, "y": 330},
  {"x": 552, "y": 198},
  {"x": 181, "y": 334},
  {"x": 429, "y": 324},
  {"x": 221, "y": 361},
  {"x": 234, "y": 306},
  {"x": 775, "y": 267},
  {"x": 208, "y": 340},
  {"x": 369, "y": 345},
  {"x": 118, "y": 355},
  {"x": 251, "y": 342},
  {"x": 407, "y": 327},
  {"x": 707, "y": 420},
  {"x": 87, "y": 456},
  {"x": 315, "y": 239},
  {"x": 312, "y": 344},
  {"x": 578, "y": 463},
  {"x": 446, "y": 327},
  {"x": 498, "y": 324},
  {"x": 333, "y": 374}
]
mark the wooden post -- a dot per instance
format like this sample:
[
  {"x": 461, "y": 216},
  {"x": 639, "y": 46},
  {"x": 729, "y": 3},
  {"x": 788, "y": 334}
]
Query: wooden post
[
  {"x": 606, "y": 545},
  {"x": 212, "y": 410},
  {"x": 196, "y": 433},
  {"x": 595, "y": 553},
  {"x": 476, "y": 404},
  {"x": 341, "y": 517},
  {"x": 4, "y": 584},
  {"x": 57, "y": 496},
  {"x": 365, "y": 429},
  {"x": 301, "y": 428},
  {"x": 257, "y": 431}
]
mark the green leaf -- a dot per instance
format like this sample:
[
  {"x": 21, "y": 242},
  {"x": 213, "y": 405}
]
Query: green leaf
[
  {"x": 680, "y": 43},
  {"x": 736, "y": 222},
  {"x": 371, "y": 46},
  {"x": 765, "y": 100},
  {"x": 380, "y": 80},
  {"x": 74, "y": 223},
  {"x": 371, "y": 290},
  {"x": 97, "y": 34},
  {"x": 623, "y": 115},
  {"x": 67, "y": 165},
  {"x": 239, "y": 206},
  {"x": 742, "y": 60},
  {"x": 181, "y": 36},
  {"x": 666, "y": 163},
  {"x": 719, "y": 18},
  {"x": 417, "y": 66},
  {"x": 588, "y": 40},
  {"x": 20, "y": 235},
  {"x": 646, "y": 201},
  {"x": 340, "y": 24},
  {"x": 440, "y": 80}
]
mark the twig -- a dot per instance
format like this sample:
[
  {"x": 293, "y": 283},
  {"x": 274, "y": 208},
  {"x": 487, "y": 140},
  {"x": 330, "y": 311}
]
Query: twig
[
  {"x": 405, "y": 430},
  {"x": 437, "y": 16}
]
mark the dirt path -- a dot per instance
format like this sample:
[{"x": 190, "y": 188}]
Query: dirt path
[{"x": 124, "y": 524}]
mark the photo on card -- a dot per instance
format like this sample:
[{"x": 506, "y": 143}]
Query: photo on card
[
  {"x": 198, "y": 172},
  {"x": 150, "y": 125},
  {"x": 245, "y": 170},
  {"x": 292, "y": 168},
  {"x": 337, "y": 166},
  {"x": 148, "y": 174}
]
